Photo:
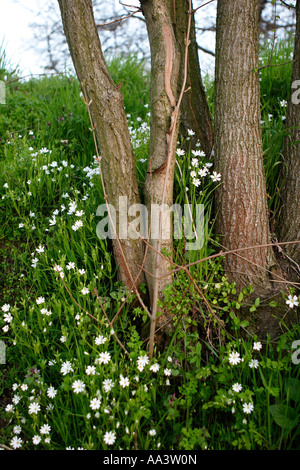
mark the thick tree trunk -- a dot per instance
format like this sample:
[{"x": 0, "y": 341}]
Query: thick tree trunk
[
  {"x": 289, "y": 229},
  {"x": 242, "y": 218},
  {"x": 110, "y": 122},
  {"x": 195, "y": 113},
  {"x": 165, "y": 67}
]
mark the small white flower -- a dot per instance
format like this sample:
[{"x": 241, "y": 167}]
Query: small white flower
[
  {"x": 257, "y": 346},
  {"x": 5, "y": 185},
  {"x": 34, "y": 408},
  {"x": 95, "y": 403},
  {"x": 215, "y": 176},
  {"x": 7, "y": 317},
  {"x": 234, "y": 358},
  {"x": 152, "y": 432},
  {"x": 109, "y": 438},
  {"x": 104, "y": 358},
  {"x": 17, "y": 429},
  {"x": 90, "y": 370},
  {"x": 5, "y": 307},
  {"x": 167, "y": 372},
  {"x": 40, "y": 249},
  {"x": 36, "y": 440},
  {"x": 70, "y": 265},
  {"x": 45, "y": 429},
  {"x": 254, "y": 363},
  {"x": 100, "y": 340},
  {"x": 78, "y": 386},
  {"x": 51, "y": 392},
  {"x": 16, "y": 442},
  {"x": 237, "y": 387},
  {"x": 108, "y": 385},
  {"x": 292, "y": 301},
  {"x": 66, "y": 368},
  {"x": 40, "y": 300},
  {"x": 155, "y": 367},
  {"x": 124, "y": 381},
  {"x": 248, "y": 408},
  {"x": 85, "y": 291}
]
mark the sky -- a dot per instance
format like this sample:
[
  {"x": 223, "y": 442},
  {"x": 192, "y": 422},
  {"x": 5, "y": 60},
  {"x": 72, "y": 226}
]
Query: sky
[
  {"x": 23, "y": 50},
  {"x": 16, "y": 34}
]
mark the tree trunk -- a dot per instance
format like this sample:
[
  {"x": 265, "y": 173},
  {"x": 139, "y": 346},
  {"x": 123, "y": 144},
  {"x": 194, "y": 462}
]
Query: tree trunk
[
  {"x": 289, "y": 227},
  {"x": 165, "y": 68},
  {"x": 195, "y": 113},
  {"x": 109, "y": 118},
  {"x": 242, "y": 218}
]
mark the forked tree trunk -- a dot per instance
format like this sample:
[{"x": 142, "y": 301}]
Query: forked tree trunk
[
  {"x": 241, "y": 204},
  {"x": 165, "y": 69},
  {"x": 108, "y": 115},
  {"x": 289, "y": 229}
]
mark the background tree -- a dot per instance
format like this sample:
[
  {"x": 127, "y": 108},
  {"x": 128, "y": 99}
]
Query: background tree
[{"x": 242, "y": 214}]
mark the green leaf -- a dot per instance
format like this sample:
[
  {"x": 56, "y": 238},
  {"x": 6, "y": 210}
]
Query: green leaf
[{"x": 285, "y": 416}]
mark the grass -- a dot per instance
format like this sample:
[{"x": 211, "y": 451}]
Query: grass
[{"x": 66, "y": 383}]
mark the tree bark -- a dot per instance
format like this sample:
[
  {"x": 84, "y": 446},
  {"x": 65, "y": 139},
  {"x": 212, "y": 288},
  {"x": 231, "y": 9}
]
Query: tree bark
[
  {"x": 242, "y": 218},
  {"x": 109, "y": 118},
  {"x": 195, "y": 113},
  {"x": 165, "y": 69},
  {"x": 289, "y": 226}
]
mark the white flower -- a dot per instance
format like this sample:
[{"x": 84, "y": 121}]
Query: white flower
[
  {"x": 31, "y": 214},
  {"x": 190, "y": 132},
  {"x": 51, "y": 392},
  {"x": 237, "y": 387},
  {"x": 95, "y": 403},
  {"x": 77, "y": 225},
  {"x": 104, "y": 358},
  {"x": 100, "y": 340},
  {"x": 59, "y": 269},
  {"x": 36, "y": 440},
  {"x": 66, "y": 368},
  {"x": 34, "y": 408},
  {"x": 194, "y": 162},
  {"x": 24, "y": 387},
  {"x": 17, "y": 429},
  {"x": 234, "y": 358},
  {"x": 5, "y": 307},
  {"x": 79, "y": 213},
  {"x": 152, "y": 432},
  {"x": 215, "y": 176},
  {"x": 40, "y": 300},
  {"x": 142, "y": 361},
  {"x": 196, "y": 182},
  {"x": 78, "y": 386},
  {"x": 63, "y": 339},
  {"x": 9, "y": 408},
  {"x": 257, "y": 346},
  {"x": 108, "y": 385},
  {"x": 202, "y": 172},
  {"x": 52, "y": 221},
  {"x": 292, "y": 301},
  {"x": 5, "y": 185},
  {"x": 155, "y": 367},
  {"x": 167, "y": 372},
  {"x": 283, "y": 103},
  {"x": 7, "y": 317},
  {"x": 16, "y": 442},
  {"x": 85, "y": 291},
  {"x": 90, "y": 370},
  {"x": 21, "y": 225},
  {"x": 248, "y": 408},
  {"x": 81, "y": 271},
  {"x": 124, "y": 381},
  {"x": 254, "y": 363},
  {"x": 70, "y": 265},
  {"x": 40, "y": 249},
  {"x": 109, "y": 438},
  {"x": 180, "y": 152},
  {"x": 45, "y": 429}
]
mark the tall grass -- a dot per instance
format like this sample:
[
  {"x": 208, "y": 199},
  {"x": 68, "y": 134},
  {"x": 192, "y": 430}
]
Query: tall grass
[{"x": 67, "y": 383}]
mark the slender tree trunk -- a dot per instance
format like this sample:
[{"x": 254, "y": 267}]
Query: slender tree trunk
[
  {"x": 110, "y": 122},
  {"x": 195, "y": 113},
  {"x": 165, "y": 68},
  {"x": 289, "y": 229},
  {"x": 242, "y": 218}
]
